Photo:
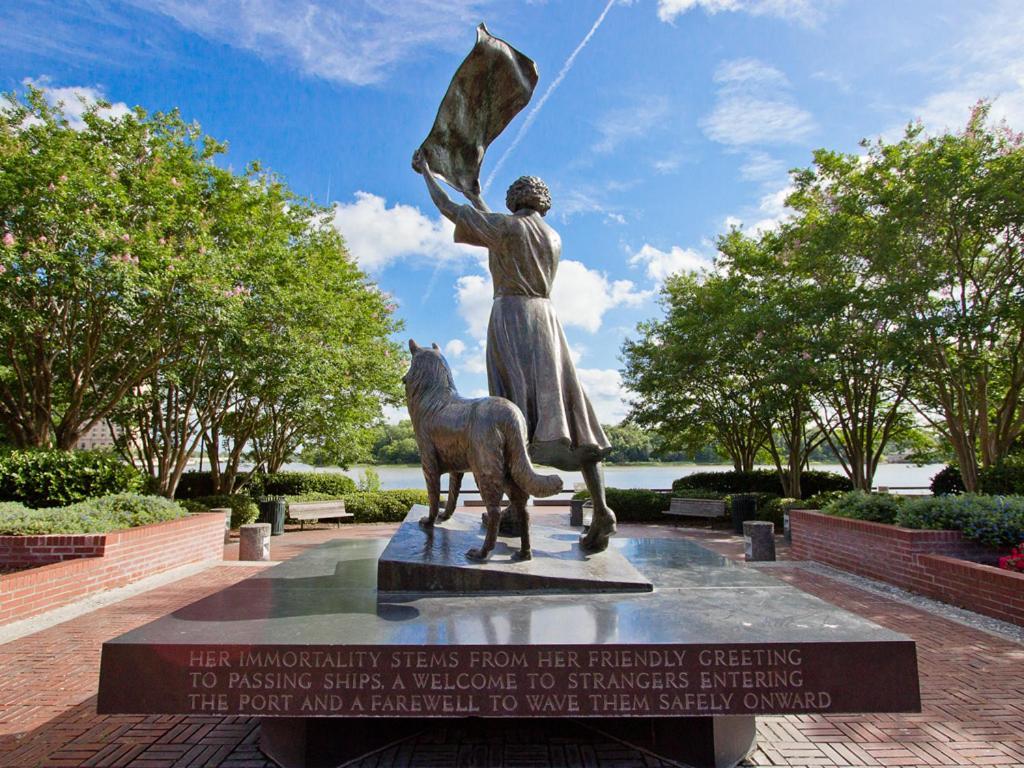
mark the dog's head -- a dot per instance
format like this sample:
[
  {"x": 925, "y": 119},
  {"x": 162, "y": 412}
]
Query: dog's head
[{"x": 428, "y": 370}]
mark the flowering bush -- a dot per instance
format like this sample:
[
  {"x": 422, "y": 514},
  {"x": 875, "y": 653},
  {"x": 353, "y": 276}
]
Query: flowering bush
[
  {"x": 1013, "y": 561},
  {"x": 995, "y": 521}
]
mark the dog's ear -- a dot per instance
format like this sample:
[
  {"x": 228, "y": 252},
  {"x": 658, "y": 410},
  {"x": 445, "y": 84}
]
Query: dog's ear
[
  {"x": 413, "y": 346},
  {"x": 434, "y": 345}
]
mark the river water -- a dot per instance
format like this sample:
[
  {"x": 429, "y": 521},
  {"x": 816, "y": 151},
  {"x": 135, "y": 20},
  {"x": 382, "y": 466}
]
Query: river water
[{"x": 654, "y": 476}]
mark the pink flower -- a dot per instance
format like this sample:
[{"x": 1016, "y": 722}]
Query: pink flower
[
  {"x": 42, "y": 238},
  {"x": 63, "y": 177},
  {"x": 50, "y": 186},
  {"x": 163, "y": 241},
  {"x": 126, "y": 237},
  {"x": 805, "y": 355},
  {"x": 3, "y": 269},
  {"x": 8, "y": 239},
  {"x": 759, "y": 336}
]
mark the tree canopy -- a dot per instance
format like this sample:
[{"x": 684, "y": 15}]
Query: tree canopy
[{"x": 893, "y": 298}]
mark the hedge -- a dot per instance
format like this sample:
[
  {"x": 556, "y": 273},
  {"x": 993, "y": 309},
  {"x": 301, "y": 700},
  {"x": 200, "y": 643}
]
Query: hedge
[
  {"x": 107, "y": 513},
  {"x": 995, "y": 521},
  {"x": 52, "y": 478},
  {"x": 383, "y": 506},
  {"x": 1001, "y": 480},
  {"x": 634, "y": 505},
  {"x": 243, "y": 509},
  {"x": 761, "y": 481},
  {"x": 300, "y": 483},
  {"x": 873, "y": 507}
]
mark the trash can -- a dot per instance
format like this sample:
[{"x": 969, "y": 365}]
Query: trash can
[
  {"x": 272, "y": 510},
  {"x": 744, "y": 508}
]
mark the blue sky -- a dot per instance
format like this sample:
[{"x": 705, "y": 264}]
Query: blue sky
[{"x": 677, "y": 119}]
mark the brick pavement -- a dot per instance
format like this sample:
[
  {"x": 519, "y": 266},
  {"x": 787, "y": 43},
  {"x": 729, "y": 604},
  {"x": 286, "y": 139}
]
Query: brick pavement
[{"x": 972, "y": 689}]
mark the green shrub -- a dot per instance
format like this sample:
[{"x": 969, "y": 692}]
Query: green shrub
[
  {"x": 995, "y": 521},
  {"x": 383, "y": 506},
  {"x": 947, "y": 480},
  {"x": 243, "y": 509},
  {"x": 873, "y": 507},
  {"x": 299, "y": 483},
  {"x": 773, "y": 510},
  {"x": 45, "y": 478},
  {"x": 635, "y": 505},
  {"x": 1005, "y": 479},
  {"x": 760, "y": 481},
  {"x": 107, "y": 513},
  {"x": 819, "y": 500}
]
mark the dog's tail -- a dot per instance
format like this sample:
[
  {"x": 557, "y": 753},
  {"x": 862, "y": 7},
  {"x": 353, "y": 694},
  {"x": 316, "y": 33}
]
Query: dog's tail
[{"x": 521, "y": 468}]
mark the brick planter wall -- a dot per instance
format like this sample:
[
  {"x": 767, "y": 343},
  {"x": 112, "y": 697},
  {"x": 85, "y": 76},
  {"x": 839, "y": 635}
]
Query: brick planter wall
[
  {"x": 931, "y": 563},
  {"x": 82, "y": 565}
]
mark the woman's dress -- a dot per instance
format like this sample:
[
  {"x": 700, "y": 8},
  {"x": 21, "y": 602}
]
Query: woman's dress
[{"x": 528, "y": 359}]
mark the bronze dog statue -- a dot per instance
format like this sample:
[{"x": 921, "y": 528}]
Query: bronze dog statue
[{"x": 486, "y": 436}]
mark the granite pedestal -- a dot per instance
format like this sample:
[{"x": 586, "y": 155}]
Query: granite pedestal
[{"x": 335, "y": 666}]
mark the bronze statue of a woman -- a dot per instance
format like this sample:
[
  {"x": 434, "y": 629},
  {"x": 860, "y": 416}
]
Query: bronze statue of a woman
[{"x": 528, "y": 359}]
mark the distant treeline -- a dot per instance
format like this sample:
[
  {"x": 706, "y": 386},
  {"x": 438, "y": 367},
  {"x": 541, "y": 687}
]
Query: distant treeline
[{"x": 395, "y": 444}]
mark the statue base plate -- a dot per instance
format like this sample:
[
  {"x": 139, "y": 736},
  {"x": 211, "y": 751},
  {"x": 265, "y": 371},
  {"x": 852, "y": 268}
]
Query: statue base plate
[
  {"x": 312, "y": 647},
  {"x": 700, "y": 742},
  {"x": 419, "y": 559}
]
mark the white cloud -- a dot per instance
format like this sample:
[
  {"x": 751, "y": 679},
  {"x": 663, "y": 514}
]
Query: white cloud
[
  {"x": 807, "y": 13},
  {"x": 760, "y": 166},
  {"x": 355, "y": 41},
  {"x": 455, "y": 348},
  {"x": 581, "y": 297},
  {"x": 630, "y": 123},
  {"x": 604, "y": 388},
  {"x": 769, "y": 215},
  {"x": 667, "y": 164},
  {"x": 74, "y": 100},
  {"x": 473, "y": 297},
  {"x": 377, "y": 235},
  {"x": 660, "y": 264},
  {"x": 987, "y": 63},
  {"x": 754, "y": 106}
]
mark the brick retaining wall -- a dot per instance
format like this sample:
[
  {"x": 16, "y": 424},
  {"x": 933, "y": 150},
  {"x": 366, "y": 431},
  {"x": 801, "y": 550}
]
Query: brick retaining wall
[
  {"x": 82, "y": 565},
  {"x": 936, "y": 564}
]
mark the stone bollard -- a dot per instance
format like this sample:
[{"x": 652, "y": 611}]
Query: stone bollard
[
  {"x": 254, "y": 542},
  {"x": 226, "y": 511},
  {"x": 759, "y": 537}
]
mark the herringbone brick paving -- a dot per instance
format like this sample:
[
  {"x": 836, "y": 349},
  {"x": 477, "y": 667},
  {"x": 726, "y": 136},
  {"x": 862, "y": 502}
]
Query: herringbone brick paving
[{"x": 972, "y": 691}]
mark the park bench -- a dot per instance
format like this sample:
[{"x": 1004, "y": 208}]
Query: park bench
[
  {"x": 696, "y": 507},
  {"x": 318, "y": 510}
]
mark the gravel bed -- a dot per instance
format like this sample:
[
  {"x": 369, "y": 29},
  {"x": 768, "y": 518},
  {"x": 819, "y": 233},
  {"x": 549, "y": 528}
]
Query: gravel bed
[{"x": 1003, "y": 629}]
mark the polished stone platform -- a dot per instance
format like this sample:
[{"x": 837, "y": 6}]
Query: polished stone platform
[
  {"x": 683, "y": 669},
  {"x": 419, "y": 559}
]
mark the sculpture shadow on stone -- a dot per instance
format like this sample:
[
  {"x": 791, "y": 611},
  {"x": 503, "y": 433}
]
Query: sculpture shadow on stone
[{"x": 485, "y": 436}]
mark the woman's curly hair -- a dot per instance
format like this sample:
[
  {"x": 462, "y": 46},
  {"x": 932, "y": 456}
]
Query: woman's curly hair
[{"x": 528, "y": 192}]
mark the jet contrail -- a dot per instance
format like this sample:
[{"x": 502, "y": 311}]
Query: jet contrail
[{"x": 551, "y": 89}]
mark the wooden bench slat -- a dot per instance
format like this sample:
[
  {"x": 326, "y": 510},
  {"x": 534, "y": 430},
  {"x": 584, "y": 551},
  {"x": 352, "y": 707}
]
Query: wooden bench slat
[{"x": 696, "y": 507}]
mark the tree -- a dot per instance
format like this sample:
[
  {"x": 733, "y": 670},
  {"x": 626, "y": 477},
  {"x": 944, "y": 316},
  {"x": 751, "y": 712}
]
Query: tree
[
  {"x": 105, "y": 266},
  {"x": 687, "y": 388},
  {"x": 299, "y": 351},
  {"x": 950, "y": 213}
]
